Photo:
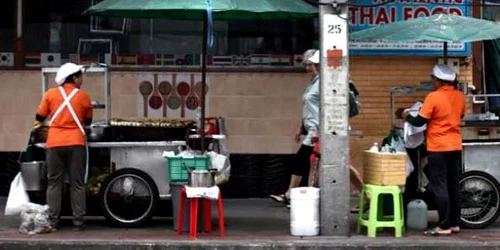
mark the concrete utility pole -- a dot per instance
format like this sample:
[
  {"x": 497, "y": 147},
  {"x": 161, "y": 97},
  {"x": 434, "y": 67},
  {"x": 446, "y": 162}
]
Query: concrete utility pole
[{"x": 334, "y": 136}]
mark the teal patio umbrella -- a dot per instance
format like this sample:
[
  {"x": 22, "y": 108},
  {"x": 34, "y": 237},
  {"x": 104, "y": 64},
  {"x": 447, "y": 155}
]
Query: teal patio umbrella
[
  {"x": 206, "y": 10},
  {"x": 196, "y": 9},
  {"x": 440, "y": 28}
]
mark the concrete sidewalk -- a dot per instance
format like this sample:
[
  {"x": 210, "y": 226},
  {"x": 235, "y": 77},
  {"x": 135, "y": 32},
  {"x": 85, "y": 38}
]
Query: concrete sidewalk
[{"x": 251, "y": 224}]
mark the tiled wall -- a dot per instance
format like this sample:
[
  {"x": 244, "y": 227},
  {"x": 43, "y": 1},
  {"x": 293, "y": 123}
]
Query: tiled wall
[{"x": 262, "y": 110}]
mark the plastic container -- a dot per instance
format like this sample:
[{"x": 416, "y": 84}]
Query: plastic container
[
  {"x": 178, "y": 173},
  {"x": 304, "y": 211},
  {"x": 175, "y": 190},
  {"x": 374, "y": 148},
  {"x": 417, "y": 215}
]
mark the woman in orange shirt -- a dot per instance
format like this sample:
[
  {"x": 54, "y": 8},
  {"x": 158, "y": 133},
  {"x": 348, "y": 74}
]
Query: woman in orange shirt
[
  {"x": 442, "y": 111},
  {"x": 69, "y": 109}
]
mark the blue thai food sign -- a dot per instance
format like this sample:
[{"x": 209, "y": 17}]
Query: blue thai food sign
[{"x": 369, "y": 13}]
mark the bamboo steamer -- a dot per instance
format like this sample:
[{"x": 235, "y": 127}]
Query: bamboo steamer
[{"x": 384, "y": 169}]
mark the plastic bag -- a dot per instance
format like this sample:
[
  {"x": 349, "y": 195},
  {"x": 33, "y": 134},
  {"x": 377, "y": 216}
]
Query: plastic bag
[
  {"x": 17, "y": 196},
  {"x": 27, "y": 223},
  {"x": 223, "y": 166},
  {"x": 42, "y": 223},
  {"x": 409, "y": 166},
  {"x": 397, "y": 143},
  {"x": 35, "y": 219}
]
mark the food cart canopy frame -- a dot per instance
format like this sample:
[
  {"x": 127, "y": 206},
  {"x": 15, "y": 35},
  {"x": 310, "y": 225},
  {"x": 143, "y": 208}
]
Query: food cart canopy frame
[
  {"x": 207, "y": 11},
  {"x": 46, "y": 71}
]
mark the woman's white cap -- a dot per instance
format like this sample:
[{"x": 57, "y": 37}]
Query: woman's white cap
[
  {"x": 311, "y": 56},
  {"x": 314, "y": 58},
  {"x": 66, "y": 70},
  {"x": 444, "y": 72}
]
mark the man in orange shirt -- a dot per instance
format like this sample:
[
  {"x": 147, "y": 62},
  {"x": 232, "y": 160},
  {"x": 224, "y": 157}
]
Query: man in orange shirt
[
  {"x": 69, "y": 108},
  {"x": 442, "y": 111}
]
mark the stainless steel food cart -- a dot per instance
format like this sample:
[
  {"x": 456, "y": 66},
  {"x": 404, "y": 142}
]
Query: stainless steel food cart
[
  {"x": 128, "y": 174},
  {"x": 479, "y": 182}
]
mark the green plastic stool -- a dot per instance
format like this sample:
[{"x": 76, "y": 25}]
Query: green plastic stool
[{"x": 376, "y": 218}]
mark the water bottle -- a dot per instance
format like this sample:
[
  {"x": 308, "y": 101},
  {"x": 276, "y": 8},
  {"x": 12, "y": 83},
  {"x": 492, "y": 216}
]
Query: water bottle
[
  {"x": 374, "y": 148},
  {"x": 417, "y": 215}
]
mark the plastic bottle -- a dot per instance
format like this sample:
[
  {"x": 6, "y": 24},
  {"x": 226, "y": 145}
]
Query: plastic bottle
[
  {"x": 385, "y": 149},
  {"x": 374, "y": 148},
  {"x": 417, "y": 215}
]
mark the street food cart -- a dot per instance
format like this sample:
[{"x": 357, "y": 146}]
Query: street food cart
[
  {"x": 479, "y": 183},
  {"x": 127, "y": 176}
]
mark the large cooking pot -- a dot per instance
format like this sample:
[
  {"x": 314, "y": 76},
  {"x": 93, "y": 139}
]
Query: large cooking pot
[
  {"x": 98, "y": 133},
  {"x": 202, "y": 178},
  {"x": 34, "y": 174}
]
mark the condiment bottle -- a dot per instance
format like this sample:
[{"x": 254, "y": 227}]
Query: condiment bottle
[{"x": 374, "y": 148}]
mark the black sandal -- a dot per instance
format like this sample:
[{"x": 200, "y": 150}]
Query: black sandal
[
  {"x": 435, "y": 232},
  {"x": 281, "y": 198}
]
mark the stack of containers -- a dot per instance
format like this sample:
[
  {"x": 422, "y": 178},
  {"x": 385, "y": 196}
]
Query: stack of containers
[{"x": 178, "y": 177}]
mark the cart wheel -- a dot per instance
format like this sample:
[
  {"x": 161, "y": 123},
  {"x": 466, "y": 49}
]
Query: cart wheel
[
  {"x": 128, "y": 197},
  {"x": 480, "y": 199}
]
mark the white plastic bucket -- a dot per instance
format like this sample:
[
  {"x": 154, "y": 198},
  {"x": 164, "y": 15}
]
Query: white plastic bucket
[{"x": 304, "y": 211}]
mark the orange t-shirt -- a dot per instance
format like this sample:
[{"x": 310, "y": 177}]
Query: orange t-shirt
[
  {"x": 443, "y": 110},
  {"x": 64, "y": 131}
]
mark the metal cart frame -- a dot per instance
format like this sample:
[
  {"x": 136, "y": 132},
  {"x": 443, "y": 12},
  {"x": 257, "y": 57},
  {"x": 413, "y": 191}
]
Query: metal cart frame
[{"x": 142, "y": 161}]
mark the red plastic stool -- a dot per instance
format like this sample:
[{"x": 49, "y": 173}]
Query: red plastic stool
[{"x": 193, "y": 215}]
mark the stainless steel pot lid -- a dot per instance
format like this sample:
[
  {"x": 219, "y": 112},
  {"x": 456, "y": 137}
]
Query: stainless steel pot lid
[{"x": 200, "y": 171}]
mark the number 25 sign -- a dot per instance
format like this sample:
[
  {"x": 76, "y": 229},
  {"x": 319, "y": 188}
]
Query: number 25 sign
[{"x": 334, "y": 40}]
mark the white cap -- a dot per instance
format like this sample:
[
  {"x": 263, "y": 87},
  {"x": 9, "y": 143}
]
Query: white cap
[
  {"x": 308, "y": 54},
  {"x": 444, "y": 72},
  {"x": 314, "y": 58},
  {"x": 66, "y": 70}
]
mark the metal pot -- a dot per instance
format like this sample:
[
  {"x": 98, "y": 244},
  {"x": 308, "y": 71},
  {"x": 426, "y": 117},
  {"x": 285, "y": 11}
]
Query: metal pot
[
  {"x": 202, "y": 178},
  {"x": 97, "y": 133},
  {"x": 34, "y": 174}
]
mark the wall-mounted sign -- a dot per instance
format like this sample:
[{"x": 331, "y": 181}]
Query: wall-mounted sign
[{"x": 369, "y": 13}]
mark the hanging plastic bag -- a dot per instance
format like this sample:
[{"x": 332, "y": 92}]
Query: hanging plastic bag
[
  {"x": 223, "y": 166},
  {"x": 17, "y": 196},
  {"x": 398, "y": 144},
  {"x": 409, "y": 166},
  {"x": 220, "y": 159}
]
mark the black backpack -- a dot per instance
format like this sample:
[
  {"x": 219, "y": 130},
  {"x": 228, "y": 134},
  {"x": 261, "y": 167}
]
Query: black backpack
[{"x": 353, "y": 100}]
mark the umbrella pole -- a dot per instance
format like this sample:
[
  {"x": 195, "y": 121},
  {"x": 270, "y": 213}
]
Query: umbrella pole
[
  {"x": 203, "y": 80},
  {"x": 445, "y": 52}
]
